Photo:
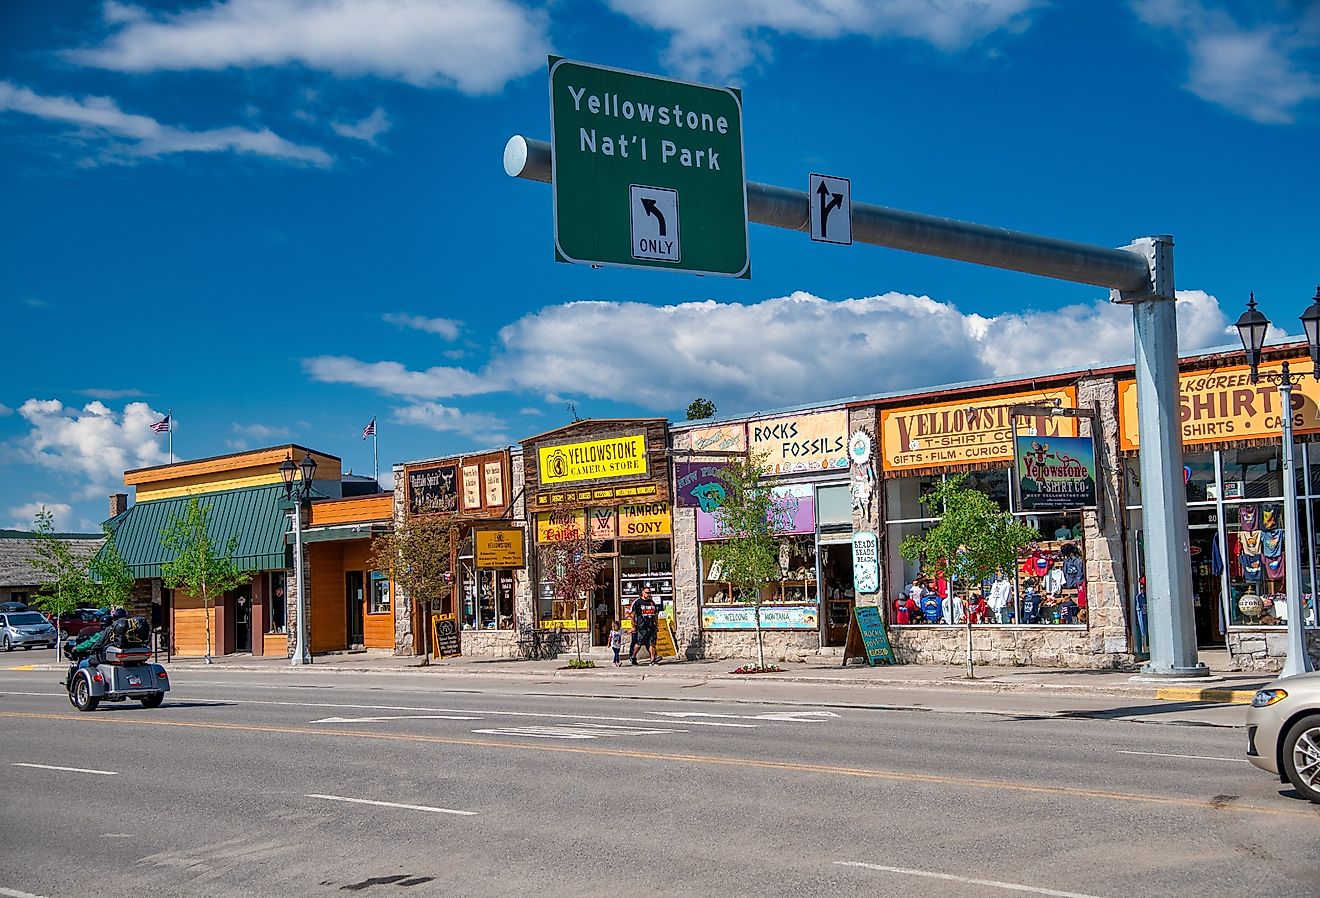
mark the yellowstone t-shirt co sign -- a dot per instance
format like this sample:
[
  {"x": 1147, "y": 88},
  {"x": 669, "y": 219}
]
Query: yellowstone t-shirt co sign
[
  {"x": 622, "y": 456},
  {"x": 968, "y": 432},
  {"x": 1221, "y": 405}
]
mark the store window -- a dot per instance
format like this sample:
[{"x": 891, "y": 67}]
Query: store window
[
  {"x": 379, "y": 596},
  {"x": 1046, "y": 584},
  {"x": 797, "y": 583},
  {"x": 834, "y": 506},
  {"x": 487, "y": 599},
  {"x": 278, "y": 602}
]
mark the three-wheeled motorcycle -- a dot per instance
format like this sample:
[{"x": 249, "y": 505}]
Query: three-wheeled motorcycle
[{"x": 115, "y": 665}]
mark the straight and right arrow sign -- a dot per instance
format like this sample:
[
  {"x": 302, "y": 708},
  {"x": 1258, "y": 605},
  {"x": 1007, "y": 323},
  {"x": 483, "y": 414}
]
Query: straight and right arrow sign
[{"x": 831, "y": 209}]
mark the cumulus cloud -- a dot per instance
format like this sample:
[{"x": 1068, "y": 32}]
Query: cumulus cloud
[
  {"x": 367, "y": 129},
  {"x": 1259, "y": 63},
  {"x": 444, "y": 327},
  {"x": 126, "y": 136},
  {"x": 720, "y": 39},
  {"x": 475, "y": 47},
  {"x": 94, "y": 444},
  {"x": 479, "y": 426},
  {"x": 394, "y": 379},
  {"x": 23, "y": 517},
  {"x": 782, "y": 351}
]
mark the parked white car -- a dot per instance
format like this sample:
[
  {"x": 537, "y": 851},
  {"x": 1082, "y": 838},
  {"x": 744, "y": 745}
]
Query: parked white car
[{"x": 25, "y": 629}]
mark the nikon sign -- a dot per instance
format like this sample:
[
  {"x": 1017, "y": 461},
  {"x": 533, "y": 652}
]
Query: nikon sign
[{"x": 647, "y": 172}]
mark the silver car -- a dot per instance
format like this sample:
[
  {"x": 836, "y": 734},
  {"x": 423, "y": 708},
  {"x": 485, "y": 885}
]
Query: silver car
[
  {"x": 1283, "y": 732},
  {"x": 26, "y": 629}
]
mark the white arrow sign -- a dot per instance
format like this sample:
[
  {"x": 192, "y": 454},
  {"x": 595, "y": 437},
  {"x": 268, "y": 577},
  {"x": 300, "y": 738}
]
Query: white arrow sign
[{"x": 831, "y": 209}]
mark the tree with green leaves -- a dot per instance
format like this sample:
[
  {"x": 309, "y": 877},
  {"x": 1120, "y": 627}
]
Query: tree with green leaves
[
  {"x": 700, "y": 408},
  {"x": 113, "y": 577},
  {"x": 199, "y": 565},
  {"x": 972, "y": 541},
  {"x": 750, "y": 521},
  {"x": 67, "y": 585},
  {"x": 570, "y": 568},
  {"x": 418, "y": 554}
]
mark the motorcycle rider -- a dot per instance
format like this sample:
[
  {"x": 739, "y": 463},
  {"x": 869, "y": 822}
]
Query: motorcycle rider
[{"x": 83, "y": 653}]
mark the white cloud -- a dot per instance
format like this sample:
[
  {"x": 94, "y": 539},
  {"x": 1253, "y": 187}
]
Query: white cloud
[
  {"x": 779, "y": 352},
  {"x": 93, "y": 444},
  {"x": 1253, "y": 68},
  {"x": 394, "y": 379},
  {"x": 444, "y": 327},
  {"x": 126, "y": 136},
  {"x": 480, "y": 427},
  {"x": 367, "y": 129},
  {"x": 261, "y": 431},
  {"x": 720, "y": 39},
  {"x": 23, "y": 517},
  {"x": 99, "y": 393},
  {"x": 476, "y": 47}
]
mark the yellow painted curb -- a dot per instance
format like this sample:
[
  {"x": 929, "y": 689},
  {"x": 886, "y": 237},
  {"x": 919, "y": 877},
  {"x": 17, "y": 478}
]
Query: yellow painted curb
[
  {"x": 22, "y": 667},
  {"x": 1193, "y": 694}
]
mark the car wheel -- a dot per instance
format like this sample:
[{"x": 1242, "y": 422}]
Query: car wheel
[
  {"x": 81, "y": 695},
  {"x": 4, "y": 644},
  {"x": 1301, "y": 756},
  {"x": 153, "y": 700}
]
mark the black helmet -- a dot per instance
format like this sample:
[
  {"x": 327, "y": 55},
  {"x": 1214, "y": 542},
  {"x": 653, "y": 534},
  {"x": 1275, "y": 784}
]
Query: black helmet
[{"x": 118, "y": 613}]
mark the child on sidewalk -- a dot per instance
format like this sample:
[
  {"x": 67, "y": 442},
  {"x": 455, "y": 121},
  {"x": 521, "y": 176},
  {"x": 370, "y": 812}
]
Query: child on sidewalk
[{"x": 616, "y": 641}]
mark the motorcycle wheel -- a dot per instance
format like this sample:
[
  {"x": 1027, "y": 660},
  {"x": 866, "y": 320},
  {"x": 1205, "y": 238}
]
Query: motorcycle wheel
[
  {"x": 154, "y": 700},
  {"x": 81, "y": 695}
]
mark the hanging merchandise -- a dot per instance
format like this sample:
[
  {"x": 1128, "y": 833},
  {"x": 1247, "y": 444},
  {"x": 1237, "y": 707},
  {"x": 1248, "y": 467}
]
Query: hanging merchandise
[
  {"x": 1269, "y": 517},
  {"x": 1251, "y": 542},
  {"x": 1274, "y": 568},
  {"x": 1216, "y": 557},
  {"x": 1251, "y": 567},
  {"x": 1249, "y": 517},
  {"x": 1271, "y": 543}
]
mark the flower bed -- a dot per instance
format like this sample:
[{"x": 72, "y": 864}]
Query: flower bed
[{"x": 753, "y": 669}]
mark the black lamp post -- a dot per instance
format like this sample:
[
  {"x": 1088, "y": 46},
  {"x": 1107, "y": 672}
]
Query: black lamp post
[
  {"x": 1252, "y": 327},
  {"x": 297, "y": 495}
]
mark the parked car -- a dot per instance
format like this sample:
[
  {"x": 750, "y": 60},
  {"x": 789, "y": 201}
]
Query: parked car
[
  {"x": 79, "y": 619},
  {"x": 1283, "y": 732},
  {"x": 25, "y": 629},
  {"x": 6, "y": 607}
]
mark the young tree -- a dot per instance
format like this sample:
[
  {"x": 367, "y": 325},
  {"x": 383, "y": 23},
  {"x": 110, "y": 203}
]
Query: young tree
[
  {"x": 751, "y": 522},
  {"x": 67, "y": 586},
  {"x": 972, "y": 541},
  {"x": 700, "y": 408},
  {"x": 571, "y": 570},
  {"x": 418, "y": 554},
  {"x": 197, "y": 566},
  {"x": 111, "y": 573}
]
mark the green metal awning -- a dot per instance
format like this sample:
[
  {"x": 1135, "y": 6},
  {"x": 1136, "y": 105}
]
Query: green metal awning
[
  {"x": 339, "y": 532},
  {"x": 253, "y": 514}
]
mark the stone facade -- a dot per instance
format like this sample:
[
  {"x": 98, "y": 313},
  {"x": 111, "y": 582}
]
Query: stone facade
[{"x": 1265, "y": 649}]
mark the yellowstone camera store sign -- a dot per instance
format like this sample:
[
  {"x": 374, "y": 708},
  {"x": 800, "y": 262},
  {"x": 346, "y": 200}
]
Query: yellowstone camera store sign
[
  {"x": 594, "y": 460},
  {"x": 648, "y": 172}
]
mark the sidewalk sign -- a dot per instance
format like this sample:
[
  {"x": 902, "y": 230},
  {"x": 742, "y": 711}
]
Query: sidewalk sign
[
  {"x": 665, "y": 646},
  {"x": 867, "y": 637},
  {"x": 446, "y": 643}
]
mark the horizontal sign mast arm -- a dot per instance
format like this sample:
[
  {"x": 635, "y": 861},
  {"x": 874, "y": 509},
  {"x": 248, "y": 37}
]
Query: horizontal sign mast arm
[{"x": 780, "y": 207}]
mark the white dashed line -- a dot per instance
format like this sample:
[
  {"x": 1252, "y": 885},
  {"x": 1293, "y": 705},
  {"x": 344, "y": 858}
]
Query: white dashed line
[
  {"x": 68, "y": 770},
  {"x": 391, "y": 804}
]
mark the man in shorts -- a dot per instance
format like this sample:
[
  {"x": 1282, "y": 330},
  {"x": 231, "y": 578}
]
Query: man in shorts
[{"x": 646, "y": 619}]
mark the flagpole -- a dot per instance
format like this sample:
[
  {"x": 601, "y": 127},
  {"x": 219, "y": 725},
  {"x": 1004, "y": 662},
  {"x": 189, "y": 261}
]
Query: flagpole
[
  {"x": 375, "y": 457},
  {"x": 169, "y": 416}
]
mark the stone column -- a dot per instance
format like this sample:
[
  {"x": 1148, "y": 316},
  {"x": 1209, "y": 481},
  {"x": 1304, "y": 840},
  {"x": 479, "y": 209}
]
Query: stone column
[
  {"x": 1107, "y": 585},
  {"x": 866, "y": 510}
]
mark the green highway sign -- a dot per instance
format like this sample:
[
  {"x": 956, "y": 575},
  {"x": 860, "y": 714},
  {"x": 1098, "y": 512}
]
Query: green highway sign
[{"x": 647, "y": 172}]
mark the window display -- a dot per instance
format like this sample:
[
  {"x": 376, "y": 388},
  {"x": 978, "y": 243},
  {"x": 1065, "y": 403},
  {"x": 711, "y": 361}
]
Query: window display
[{"x": 797, "y": 565}]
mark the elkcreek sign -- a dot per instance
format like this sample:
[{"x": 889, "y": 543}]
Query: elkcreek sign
[
  {"x": 647, "y": 171},
  {"x": 598, "y": 459}
]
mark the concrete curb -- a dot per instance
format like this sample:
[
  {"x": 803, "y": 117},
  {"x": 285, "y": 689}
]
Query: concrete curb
[{"x": 1191, "y": 694}]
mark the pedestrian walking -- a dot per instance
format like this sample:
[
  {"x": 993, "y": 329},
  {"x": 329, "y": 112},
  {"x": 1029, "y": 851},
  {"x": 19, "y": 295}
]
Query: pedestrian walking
[
  {"x": 616, "y": 641},
  {"x": 645, "y": 619}
]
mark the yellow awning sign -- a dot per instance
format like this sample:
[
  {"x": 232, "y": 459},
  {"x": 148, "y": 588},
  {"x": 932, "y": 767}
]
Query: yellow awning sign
[{"x": 593, "y": 460}]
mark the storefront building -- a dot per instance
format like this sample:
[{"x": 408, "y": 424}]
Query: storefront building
[
  {"x": 488, "y": 600},
  {"x": 243, "y": 494},
  {"x": 806, "y": 455},
  {"x": 350, "y": 602},
  {"x": 608, "y": 478}
]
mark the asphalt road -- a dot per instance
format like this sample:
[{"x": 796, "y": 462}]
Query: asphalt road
[{"x": 323, "y": 784}]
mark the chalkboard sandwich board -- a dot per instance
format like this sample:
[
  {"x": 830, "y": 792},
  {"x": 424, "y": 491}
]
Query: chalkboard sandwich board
[
  {"x": 867, "y": 637},
  {"x": 446, "y": 643}
]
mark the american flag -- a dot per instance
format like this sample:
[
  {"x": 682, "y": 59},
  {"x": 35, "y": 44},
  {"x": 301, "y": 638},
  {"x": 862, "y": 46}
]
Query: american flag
[
  {"x": 162, "y": 426},
  {"x": 369, "y": 430}
]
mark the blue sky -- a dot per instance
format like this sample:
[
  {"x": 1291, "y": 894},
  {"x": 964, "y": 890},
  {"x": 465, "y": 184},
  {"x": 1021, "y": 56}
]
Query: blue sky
[{"x": 281, "y": 218}]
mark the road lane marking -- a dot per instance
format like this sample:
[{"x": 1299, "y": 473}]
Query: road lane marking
[
  {"x": 68, "y": 769},
  {"x": 400, "y": 717},
  {"x": 592, "y": 731},
  {"x": 949, "y": 877},
  {"x": 785, "y": 716},
  {"x": 392, "y": 804},
  {"x": 1162, "y": 754},
  {"x": 1307, "y": 813},
  {"x": 481, "y": 711},
  {"x": 15, "y": 893}
]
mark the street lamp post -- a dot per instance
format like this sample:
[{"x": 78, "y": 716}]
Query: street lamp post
[
  {"x": 298, "y": 495},
  {"x": 1252, "y": 327}
]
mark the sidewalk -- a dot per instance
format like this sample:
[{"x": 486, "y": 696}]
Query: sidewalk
[{"x": 1227, "y": 686}]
